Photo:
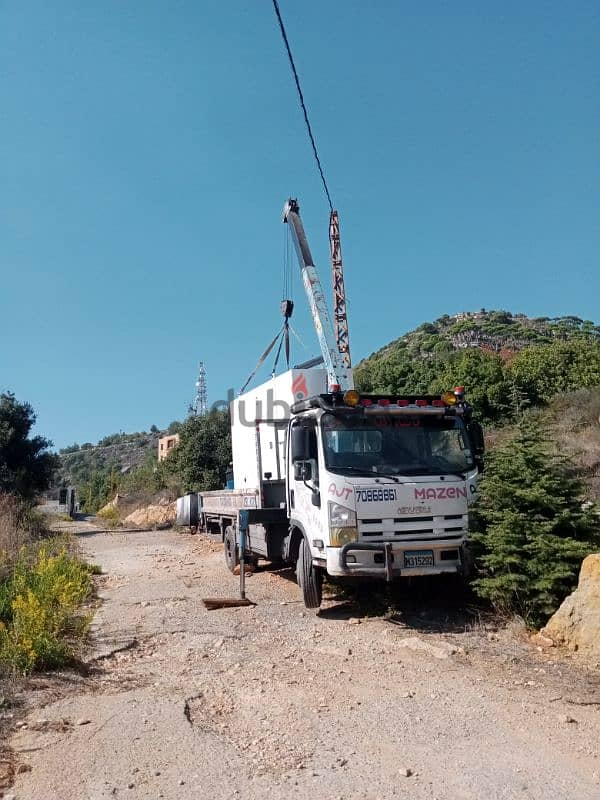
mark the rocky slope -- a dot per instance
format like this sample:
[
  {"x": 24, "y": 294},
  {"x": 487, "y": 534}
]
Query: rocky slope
[{"x": 123, "y": 455}]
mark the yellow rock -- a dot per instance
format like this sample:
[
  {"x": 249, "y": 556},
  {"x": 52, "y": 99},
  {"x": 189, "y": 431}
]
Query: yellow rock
[
  {"x": 152, "y": 515},
  {"x": 576, "y": 624}
]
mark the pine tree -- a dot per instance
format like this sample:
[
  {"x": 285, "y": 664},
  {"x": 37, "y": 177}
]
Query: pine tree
[{"x": 530, "y": 531}]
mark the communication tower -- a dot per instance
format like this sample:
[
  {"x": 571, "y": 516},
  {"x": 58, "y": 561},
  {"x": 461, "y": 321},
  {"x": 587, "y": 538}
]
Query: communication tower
[{"x": 199, "y": 405}]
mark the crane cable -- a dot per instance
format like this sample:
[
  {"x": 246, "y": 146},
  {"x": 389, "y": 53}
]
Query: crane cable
[
  {"x": 280, "y": 333},
  {"x": 283, "y": 335},
  {"x": 302, "y": 103}
]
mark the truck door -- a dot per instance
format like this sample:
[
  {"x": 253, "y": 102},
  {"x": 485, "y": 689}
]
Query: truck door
[{"x": 303, "y": 477}]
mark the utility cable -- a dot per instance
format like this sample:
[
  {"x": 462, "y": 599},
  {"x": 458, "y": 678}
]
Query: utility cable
[{"x": 302, "y": 103}]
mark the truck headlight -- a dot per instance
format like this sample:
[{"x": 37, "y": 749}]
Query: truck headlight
[{"x": 342, "y": 524}]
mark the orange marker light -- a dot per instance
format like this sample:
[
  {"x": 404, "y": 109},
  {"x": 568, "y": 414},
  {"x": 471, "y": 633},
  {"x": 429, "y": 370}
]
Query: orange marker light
[{"x": 351, "y": 397}]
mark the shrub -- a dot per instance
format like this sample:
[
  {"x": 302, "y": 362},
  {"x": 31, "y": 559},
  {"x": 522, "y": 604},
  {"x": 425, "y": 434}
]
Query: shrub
[
  {"x": 40, "y": 621},
  {"x": 19, "y": 525},
  {"x": 110, "y": 515},
  {"x": 530, "y": 531}
]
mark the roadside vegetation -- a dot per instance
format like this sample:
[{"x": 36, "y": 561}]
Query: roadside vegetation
[
  {"x": 43, "y": 585},
  {"x": 531, "y": 525}
]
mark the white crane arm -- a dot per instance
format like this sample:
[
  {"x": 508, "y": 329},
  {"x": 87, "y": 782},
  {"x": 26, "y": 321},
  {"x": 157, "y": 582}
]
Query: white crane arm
[{"x": 338, "y": 374}]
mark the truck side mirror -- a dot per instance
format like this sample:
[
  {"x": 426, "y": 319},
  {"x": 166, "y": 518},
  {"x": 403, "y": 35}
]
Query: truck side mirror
[{"x": 300, "y": 445}]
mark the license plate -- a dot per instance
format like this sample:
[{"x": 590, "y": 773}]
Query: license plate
[{"x": 418, "y": 558}]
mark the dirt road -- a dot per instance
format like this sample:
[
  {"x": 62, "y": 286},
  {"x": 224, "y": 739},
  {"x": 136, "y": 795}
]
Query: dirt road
[{"x": 275, "y": 701}]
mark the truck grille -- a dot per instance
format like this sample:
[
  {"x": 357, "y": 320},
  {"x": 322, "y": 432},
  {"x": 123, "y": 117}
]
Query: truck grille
[{"x": 417, "y": 528}]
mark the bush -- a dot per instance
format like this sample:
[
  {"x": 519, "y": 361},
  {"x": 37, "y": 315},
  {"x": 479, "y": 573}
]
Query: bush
[
  {"x": 530, "y": 531},
  {"x": 19, "y": 525},
  {"x": 40, "y": 622},
  {"x": 110, "y": 515}
]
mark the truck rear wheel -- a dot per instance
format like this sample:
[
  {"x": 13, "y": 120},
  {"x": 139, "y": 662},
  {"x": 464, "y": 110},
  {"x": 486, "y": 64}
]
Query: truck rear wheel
[
  {"x": 310, "y": 579},
  {"x": 230, "y": 549}
]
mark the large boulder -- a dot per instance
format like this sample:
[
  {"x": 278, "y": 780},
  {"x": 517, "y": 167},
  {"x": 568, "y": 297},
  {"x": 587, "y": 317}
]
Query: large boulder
[
  {"x": 161, "y": 514},
  {"x": 576, "y": 624}
]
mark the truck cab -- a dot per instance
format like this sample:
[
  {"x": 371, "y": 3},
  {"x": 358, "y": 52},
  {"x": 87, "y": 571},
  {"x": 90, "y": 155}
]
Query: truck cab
[
  {"x": 354, "y": 486},
  {"x": 379, "y": 486}
]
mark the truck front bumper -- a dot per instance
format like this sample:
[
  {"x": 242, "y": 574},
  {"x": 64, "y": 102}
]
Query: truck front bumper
[{"x": 385, "y": 560}]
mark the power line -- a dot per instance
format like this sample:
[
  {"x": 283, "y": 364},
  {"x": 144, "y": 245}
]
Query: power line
[{"x": 302, "y": 103}]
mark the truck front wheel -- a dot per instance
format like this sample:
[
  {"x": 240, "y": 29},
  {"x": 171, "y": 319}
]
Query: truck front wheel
[
  {"x": 310, "y": 579},
  {"x": 230, "y": 549}
]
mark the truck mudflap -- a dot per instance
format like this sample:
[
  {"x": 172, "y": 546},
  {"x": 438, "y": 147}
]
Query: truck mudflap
[{"x": 389, "y": 569}]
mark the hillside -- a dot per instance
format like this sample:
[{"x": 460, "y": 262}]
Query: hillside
[
  {"x": 506, "y": 361},
  {"x": 97, "y": 470},
  {"x": 123, "y": 453},
  {"x": 492, "y": 331}
]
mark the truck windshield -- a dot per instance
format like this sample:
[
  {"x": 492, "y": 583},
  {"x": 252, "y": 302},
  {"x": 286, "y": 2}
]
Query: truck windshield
[{"x": 392, "y": 445}]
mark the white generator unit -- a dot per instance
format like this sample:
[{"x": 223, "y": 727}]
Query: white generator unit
[{"x": 259, "y": 420}]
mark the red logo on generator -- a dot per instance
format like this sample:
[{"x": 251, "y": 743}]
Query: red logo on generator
[{"x": 299, "y": 388}]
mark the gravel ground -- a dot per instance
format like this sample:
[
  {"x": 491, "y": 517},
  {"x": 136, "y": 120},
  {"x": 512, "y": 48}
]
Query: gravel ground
[{"x": 275, "y": 701}]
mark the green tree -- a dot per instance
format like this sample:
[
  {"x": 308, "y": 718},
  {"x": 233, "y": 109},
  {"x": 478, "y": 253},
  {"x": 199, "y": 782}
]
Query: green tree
[
  {"x": 483, "y": 376},
  {"x": 530, "y": 531},
  {"x": 203, "y": 453},
  {"x": 26, "y": 466},
  {"x": 543, "y": 371},
  {"x": 97, "y": 490}
]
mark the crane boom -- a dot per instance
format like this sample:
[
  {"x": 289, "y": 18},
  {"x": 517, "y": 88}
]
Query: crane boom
[
  {"x": 338, "y": 374},
  {"x": 340, "y": 316}
]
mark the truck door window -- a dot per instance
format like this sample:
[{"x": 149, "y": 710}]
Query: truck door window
[{"x": 312, "y": 452}]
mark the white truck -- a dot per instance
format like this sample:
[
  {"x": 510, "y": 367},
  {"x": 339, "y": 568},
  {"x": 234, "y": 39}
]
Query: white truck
[
  {"x": 347, "y": 485},
  {"x": 339, "y": 483}
]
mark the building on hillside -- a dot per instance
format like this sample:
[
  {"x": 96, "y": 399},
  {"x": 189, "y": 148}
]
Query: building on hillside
[{"x": 166, "y": 444}]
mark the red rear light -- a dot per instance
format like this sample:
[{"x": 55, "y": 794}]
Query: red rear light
[
  {"x": 421, "y": 402},
  {"x": 335, "y": 387},
  {"x": 383, "y": 402},
  {"x": 438, "y": 403},
  {"x": 402, "y": 403},
  {"x": 366, "y": 402}
]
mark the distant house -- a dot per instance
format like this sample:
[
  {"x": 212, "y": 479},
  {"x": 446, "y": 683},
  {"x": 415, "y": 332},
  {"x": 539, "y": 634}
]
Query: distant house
[{"x": 166, "y": 444}]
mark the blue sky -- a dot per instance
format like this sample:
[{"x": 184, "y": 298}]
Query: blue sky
[{"x": 147, "y": 148}]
